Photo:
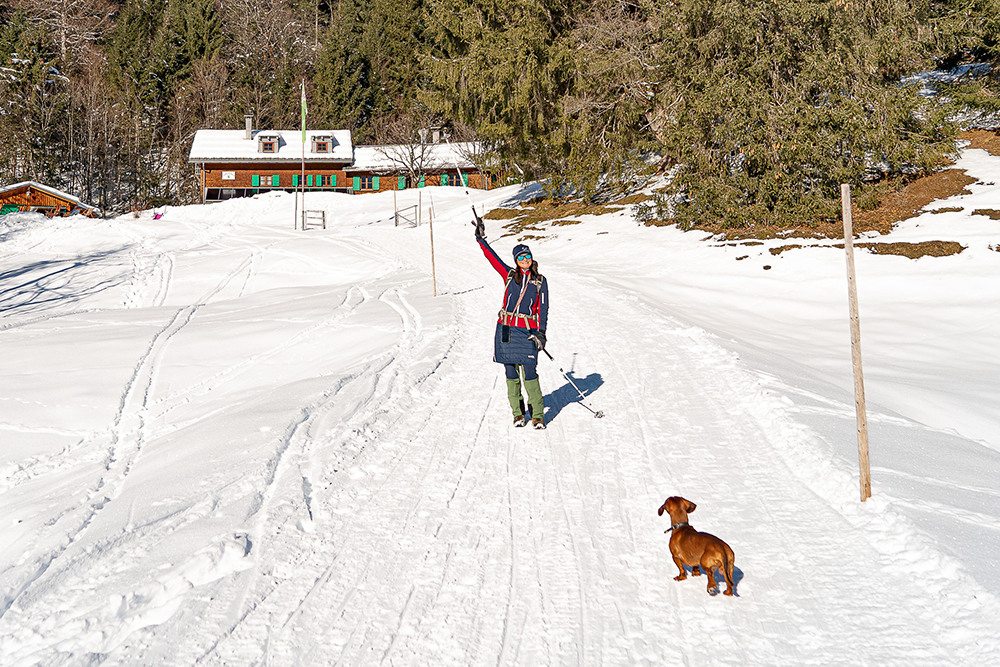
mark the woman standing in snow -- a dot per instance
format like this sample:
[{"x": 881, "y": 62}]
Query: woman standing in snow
[{"x": 520, "y": 332}]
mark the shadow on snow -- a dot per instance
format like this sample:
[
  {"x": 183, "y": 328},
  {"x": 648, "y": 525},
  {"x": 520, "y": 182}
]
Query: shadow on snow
[
  {"x": 566, "y": 394},
  {"x": 41, "y": 285}
]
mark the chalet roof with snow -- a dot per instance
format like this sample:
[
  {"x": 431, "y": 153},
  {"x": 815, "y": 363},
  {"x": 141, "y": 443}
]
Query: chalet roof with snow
[
  {"x": 19, "y": 195},
  {"x": 271, "y": 146},
  {"x": 430, "y": 157}
]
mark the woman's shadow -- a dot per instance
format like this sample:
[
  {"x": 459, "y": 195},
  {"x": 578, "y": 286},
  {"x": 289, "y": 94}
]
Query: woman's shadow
[{"x": 556, "y": 400}]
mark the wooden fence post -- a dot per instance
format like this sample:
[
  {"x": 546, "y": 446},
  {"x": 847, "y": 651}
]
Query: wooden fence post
[
  {"x": 859, "y": 382},
  {"x": 430, "y": 219}
]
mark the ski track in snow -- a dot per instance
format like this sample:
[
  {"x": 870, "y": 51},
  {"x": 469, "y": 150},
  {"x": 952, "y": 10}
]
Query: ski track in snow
[{"x": 399, "y": 518}]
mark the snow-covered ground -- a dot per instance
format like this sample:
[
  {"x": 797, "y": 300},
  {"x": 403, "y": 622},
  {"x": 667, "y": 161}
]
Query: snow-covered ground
[{"x": 225, "y": 441}]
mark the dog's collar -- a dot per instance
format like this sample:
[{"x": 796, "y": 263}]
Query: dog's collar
[{"x": 677, "y": 525}]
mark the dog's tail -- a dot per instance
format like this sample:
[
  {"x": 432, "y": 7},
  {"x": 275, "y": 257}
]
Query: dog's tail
[{"x": 728, "y": 562}]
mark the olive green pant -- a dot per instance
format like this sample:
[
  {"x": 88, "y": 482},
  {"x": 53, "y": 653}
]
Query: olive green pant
[{"x": 534, "y": 390}]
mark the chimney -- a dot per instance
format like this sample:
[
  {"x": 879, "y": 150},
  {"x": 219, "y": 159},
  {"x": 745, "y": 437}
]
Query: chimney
[
  {"x": 249, "y": 121},
  {"x": 423, "y": 135},
  {"x": 437, "y": 136}
]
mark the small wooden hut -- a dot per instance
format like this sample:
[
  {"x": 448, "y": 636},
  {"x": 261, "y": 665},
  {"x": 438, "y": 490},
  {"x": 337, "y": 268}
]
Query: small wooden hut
[{"x": 30, "y": 196}]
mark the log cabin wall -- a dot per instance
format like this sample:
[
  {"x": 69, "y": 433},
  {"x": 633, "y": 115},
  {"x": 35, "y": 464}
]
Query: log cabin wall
[{"x": 29, "y": 198}]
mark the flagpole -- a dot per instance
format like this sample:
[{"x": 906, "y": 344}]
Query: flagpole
[{"x": 302, "y": 176}]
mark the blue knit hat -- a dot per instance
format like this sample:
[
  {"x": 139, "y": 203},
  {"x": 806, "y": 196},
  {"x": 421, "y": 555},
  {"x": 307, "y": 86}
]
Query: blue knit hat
[{"x": 520, "y": 249}]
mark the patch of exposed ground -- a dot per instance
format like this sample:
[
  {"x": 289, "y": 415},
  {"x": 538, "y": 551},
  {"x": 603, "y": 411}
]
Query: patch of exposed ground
[
  {"x": 908, "y": 201},
  {"x": 528, "y": 216},
  {"x": 991, "y": 213},
  {"x": 950, "y": 209},
  {"x": 984, "y": 139},
  {"x": 911, "y": 250}
]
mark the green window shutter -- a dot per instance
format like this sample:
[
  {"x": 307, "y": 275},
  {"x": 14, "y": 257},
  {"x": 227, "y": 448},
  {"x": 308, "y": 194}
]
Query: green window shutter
[
  {"x": 255, "y": 180},
  {"x": 357, "y": 183},
  {"x": 421, "y": 183},
  {"x": 309, "y": 180},
  {"x": 375, "y": 183},
  {"x": 444, "y": 179},
  {"x": 465, "y": 180},
  {"x": 401, "y": 184},
  {"x": 295, "y": 180},
  {"x": 333, "y": 180},
  {"x": 274, "y": 180}
]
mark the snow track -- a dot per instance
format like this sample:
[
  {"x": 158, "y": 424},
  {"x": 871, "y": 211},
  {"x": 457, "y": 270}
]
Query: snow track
[{"x": 298, "y": 457}]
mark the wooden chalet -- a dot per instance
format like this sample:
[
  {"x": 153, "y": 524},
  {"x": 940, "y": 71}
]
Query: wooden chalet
[
  {"x": 242, "y": 163},
  {"x": 30, "y": 196}
]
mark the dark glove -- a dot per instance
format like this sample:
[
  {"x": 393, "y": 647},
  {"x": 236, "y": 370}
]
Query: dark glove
[
  {"x": 539, "y": 338},
  {"x": 480, "y": 226}
]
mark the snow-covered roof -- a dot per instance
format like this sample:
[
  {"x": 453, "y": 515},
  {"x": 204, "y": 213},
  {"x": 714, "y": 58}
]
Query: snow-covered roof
[
  {"x": 45, "y": 188},
  {"x": 232, "y": 146},
  {"x": 433, "y": 157}
]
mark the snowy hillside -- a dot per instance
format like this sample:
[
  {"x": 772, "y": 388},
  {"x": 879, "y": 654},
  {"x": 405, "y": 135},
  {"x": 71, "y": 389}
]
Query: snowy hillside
[{"x": 225, "y": 441}]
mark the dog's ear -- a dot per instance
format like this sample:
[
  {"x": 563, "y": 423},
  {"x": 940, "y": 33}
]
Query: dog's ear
[
  {"x": 659, "y": 512},
  {"x": 690, "y": 506}
]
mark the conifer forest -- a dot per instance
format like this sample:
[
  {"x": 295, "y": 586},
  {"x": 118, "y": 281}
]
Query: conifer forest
[{"x": 758, "y": 109}]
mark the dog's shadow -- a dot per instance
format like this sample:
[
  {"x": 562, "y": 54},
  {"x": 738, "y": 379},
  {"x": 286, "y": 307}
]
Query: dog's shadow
[
  {"x": 720, "y": 580},
  {"x": 556, "y": 400}
]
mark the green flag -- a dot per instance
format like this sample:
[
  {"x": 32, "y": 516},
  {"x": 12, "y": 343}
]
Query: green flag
[{"x": 303, "y": 86}]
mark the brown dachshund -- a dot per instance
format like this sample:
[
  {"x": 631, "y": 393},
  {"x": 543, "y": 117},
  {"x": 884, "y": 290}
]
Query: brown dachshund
[{"x": 699, "y": 551}]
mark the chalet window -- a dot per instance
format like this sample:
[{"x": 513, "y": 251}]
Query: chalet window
[
  {"x": 366, "y": 182},
  {"x": 268, "y": 143},
  {"x": 321, "y": 144}
]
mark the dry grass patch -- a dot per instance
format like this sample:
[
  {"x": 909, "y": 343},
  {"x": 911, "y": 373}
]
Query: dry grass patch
[
  {"x": 984, "y": 139},
  {"x": 990, "y": 213},
  {"x": 950, "y": 209},
  {"x": 546, "y": 210},
  {"x": 504, "y": 213},
  {"x": 782, "y": 248},
  {"x": 908, "y": 201},
  {"x": 912, "y": 250},
  {"x": 633, "y": 199}
]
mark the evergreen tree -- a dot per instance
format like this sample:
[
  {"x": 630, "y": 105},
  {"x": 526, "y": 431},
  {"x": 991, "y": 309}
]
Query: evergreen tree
[
  {"x": 346, "y": 95},
  {"x": 770, "y": 105},
  {"x": 191, "y": 32},
  {"x": 33, "y": 93}
]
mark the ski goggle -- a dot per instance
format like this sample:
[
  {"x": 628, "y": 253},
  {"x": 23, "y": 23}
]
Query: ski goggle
[{"x": 523, "y": 255}]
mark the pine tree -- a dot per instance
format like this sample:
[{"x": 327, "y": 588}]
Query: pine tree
[
  {"x": 34, "y": 96},
  {"x": 346, "y": 94},
  {"x": 191, "y": 32},
  {"x": 771, "y": 105},
  {"x": 504, "y": 66}
]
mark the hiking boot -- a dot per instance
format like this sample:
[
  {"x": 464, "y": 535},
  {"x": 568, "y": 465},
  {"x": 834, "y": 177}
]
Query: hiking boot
[
  {"x": 519, "y": 421},
  {"x": 538, "y": 423}
]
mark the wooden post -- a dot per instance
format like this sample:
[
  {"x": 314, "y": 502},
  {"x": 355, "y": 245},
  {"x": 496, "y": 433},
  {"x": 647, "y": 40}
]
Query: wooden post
[
  {"x": 395, "y": 208},
  {"x": 859, "y": 381},
  {"x": 419, "y": 205},
  {"x": 430, "y": 219}
]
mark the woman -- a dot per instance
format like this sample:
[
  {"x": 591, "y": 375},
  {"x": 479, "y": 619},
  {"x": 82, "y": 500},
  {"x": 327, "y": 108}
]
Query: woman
[{"x": 520, "y": 333}]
